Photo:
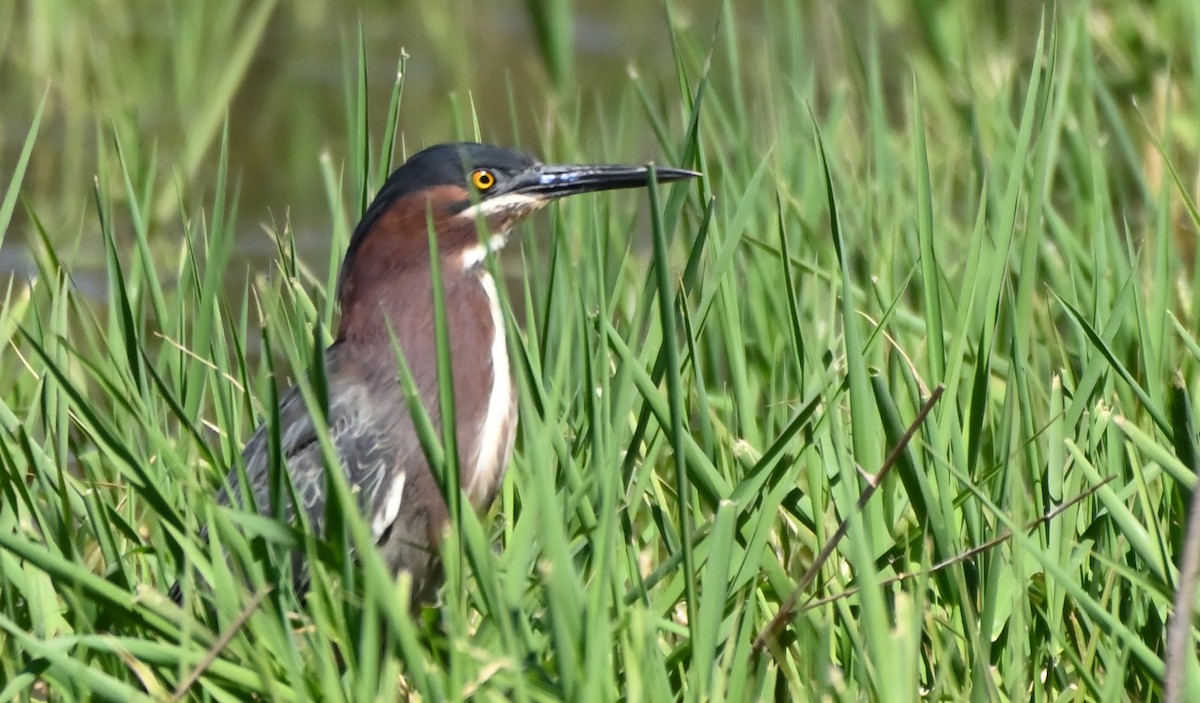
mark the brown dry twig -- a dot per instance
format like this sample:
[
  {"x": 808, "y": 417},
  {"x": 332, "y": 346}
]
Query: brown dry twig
[{"x": 787, "y": 610}]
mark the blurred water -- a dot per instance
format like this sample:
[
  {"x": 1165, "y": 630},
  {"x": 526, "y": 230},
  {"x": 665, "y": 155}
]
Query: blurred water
[{"x": 290, "y": 109}]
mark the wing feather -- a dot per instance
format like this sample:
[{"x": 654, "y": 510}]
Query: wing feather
[{"x": 366, "y": 438}]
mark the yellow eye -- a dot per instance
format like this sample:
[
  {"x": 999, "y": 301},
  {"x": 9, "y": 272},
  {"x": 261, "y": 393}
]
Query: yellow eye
[{"x": 482, "y": 179}]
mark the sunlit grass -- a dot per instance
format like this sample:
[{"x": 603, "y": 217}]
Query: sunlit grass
[{"x": 709, "y": 376}]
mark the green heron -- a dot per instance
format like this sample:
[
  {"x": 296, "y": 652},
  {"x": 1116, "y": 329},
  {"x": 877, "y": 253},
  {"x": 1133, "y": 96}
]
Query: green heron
[{"x": 385, "y": 288}]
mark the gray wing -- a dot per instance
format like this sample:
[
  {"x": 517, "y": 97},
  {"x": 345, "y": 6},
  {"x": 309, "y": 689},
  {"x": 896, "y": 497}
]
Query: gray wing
[
  {"x": 372, "y": 435},
  {"x": 375, "y": 456}
]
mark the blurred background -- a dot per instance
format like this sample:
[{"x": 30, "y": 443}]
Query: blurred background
[{"x": 158, "y": 79}]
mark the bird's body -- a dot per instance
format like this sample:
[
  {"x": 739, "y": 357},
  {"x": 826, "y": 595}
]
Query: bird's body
[
  {"x": 373, "y": 433},
  {"x": 385, "y": 293}
]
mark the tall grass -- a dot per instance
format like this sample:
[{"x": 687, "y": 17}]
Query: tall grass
[{"x": 709, "y": 376}]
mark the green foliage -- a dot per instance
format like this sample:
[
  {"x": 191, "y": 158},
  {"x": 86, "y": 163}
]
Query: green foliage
[{"x": 982, "y": 196}]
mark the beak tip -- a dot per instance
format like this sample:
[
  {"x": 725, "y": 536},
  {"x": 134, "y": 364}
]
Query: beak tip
[
  {"x": 668, "y": 174},
  {"x": 678, "y": 174}
]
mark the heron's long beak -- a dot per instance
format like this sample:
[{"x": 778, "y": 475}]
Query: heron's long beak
[{"x": 549, "y": 182}]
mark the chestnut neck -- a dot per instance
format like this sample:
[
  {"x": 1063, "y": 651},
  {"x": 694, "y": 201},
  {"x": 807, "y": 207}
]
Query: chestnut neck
[{"x": 387, "y": 274}]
